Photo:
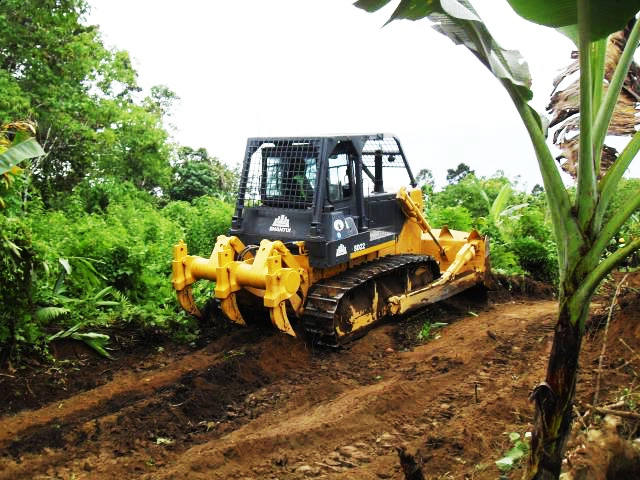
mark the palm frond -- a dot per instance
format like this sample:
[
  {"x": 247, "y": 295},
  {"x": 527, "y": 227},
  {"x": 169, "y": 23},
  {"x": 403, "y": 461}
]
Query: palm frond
[
  {"x": 65, "y": 333},
  {"x": 86, "y": 270},
  {"x": 510, "y": 212},
  {"x": 107, "y": 303},
  {"x": 97, "y": 341},
  {"x": 102, "y": 293}
]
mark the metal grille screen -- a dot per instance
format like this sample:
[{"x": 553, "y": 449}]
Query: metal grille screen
[
  {"x": 395, "y": 174},
  {"x": 282, "y": 173}
]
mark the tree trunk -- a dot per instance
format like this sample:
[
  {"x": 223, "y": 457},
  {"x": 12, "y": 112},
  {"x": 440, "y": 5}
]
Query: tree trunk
[{"x": 554, "y": 397}]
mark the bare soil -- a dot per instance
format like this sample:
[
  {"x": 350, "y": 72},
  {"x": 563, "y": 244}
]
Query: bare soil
[{"x": 255, "y": 404}]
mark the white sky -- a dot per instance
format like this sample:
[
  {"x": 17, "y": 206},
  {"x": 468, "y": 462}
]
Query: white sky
[{"x": 304, "y": 67}]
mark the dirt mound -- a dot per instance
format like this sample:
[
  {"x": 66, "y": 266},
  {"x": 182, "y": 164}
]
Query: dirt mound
[
  {"x": 602, "y": 455},
  {"x": 505, "y": 287}
]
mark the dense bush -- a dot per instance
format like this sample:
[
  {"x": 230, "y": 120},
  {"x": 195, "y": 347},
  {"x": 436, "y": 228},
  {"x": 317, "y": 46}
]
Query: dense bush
[
  {"x": 537, "y": 259},
  {"x": 16, "y": 265},
  {"x": 100, "y": 257},
  {"x": 105, "y": 259},
  {"x": 456, "y": 218},
  {"x": 127, "y": 247},
  {"x": 201, "y": 222}
]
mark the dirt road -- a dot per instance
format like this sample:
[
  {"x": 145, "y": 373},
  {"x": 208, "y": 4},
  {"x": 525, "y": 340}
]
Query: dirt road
[{"x": 253, "y": 404}]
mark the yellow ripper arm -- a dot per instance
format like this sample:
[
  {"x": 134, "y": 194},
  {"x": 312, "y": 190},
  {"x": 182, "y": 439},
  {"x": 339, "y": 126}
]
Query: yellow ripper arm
[
  {"x": 412, "y": 211},
  {"x": 272, "y": 274}
]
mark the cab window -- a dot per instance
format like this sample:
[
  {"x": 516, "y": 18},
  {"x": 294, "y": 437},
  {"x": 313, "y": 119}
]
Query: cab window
[{"x": 340, "y": 177}]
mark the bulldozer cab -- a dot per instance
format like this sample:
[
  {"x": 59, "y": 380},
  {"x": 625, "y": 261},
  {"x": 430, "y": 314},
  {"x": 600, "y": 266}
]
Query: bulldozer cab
[{"x": 335, "y": 193}]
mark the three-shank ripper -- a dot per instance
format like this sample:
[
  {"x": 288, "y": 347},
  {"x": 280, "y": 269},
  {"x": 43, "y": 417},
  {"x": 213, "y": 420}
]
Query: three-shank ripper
[{"x": 273, "y": 273}]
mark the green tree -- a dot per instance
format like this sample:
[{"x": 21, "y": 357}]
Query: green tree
[
  {"x": 460, "y": 172},
  {"x": 196, "y": 174},
  {"x": 48, "y": 54},
  {"x": 579, "y": 223},
  {"x": 426, "y": 182},
  {"x": 457, "y": 218},
  {"x": 55, "y": 69},
  {"x": 13, "y": 102},
  {"x": 136, "y": 150}
]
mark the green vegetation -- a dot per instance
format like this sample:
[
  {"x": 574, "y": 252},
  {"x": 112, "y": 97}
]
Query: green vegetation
[
  {"x": 630, "y": 397},
  {"x": 93, "y": 194},
  {"x": 92, "y": 200},
  {"x": 427, "y": 331},
  {"x": 519, "y": 448},
  {"x": 97, "y": 341}
]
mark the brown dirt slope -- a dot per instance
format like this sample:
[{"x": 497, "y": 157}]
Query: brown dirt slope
[{"x": 253, "y": 404}]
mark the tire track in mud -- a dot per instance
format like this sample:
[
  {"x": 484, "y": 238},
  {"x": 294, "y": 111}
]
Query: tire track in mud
[{"x": 231, "y": 412}]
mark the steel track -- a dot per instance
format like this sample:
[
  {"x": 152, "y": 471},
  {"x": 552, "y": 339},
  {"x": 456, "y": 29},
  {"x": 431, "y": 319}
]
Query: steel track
[{"x": 324, "y": 298}]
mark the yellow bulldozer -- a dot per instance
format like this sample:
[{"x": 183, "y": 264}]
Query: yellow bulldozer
[{"x": 325, "y": 241}]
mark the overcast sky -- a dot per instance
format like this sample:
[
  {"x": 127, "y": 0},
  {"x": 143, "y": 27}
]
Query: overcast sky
[{"x": 304, "y": 67}]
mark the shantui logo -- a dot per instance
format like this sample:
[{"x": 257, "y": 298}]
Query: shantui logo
[
  {"x": 280, "y": 224},
  {"x": 341, "y": 250}
]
